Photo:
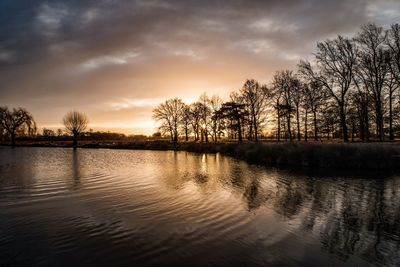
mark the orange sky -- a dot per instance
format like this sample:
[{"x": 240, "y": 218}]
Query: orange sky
[{"x": 116, "y": 60}]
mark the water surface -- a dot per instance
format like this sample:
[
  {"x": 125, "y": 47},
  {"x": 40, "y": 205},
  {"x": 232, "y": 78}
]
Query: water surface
[{"x": 153, "y": 208}]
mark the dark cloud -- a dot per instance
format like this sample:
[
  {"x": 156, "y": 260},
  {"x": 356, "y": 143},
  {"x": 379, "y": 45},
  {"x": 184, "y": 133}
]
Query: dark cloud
[{"x": 91, "y": 55}]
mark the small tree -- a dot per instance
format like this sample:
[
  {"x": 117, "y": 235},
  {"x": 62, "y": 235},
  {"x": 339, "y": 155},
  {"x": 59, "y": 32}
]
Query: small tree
[
  {"x": 16, "y": 121},
  {"x": 48, "y": 133},
  {"x": 75, "y": 123}
]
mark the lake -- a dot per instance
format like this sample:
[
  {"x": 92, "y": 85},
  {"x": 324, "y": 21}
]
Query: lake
[{"x": 154, "y": 208}]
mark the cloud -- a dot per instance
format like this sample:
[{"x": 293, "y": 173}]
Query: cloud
[
  {"x": 111, "y": 57},
  {"x": 135, "y": 103}
]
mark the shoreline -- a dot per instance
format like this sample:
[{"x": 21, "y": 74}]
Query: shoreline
[{"x": 311, "y": 156}]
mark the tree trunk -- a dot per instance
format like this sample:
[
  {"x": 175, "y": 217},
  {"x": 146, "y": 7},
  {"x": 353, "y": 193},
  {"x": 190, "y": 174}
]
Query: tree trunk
[
  {"x": 362, "y": 128},
  {"x": 13, "y": 135},
  {"x": 240, "y": 131},
  {"x": 250, "y": 137},
  {"x": 255, "y": 131},
  {"x": 391, "y": 135},
  {"x": 298, "y": 124},
  {"x": 343, "y": 124},
  {"x": 254, "y": 126},
  {"x": 366, "y": 118},
  {"x": 279, "y": 127},
  {"x": 288, "y": 128},
  {"x": 315, "y": 126},
  {"x": 75, "y": 141},
  {"x": 305, "y": 126},
  {"x": 379, "y": 121}
]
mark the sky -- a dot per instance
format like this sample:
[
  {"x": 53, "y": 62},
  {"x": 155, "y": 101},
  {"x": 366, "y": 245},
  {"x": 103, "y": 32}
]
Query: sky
[{"x": 117, "y": 60}]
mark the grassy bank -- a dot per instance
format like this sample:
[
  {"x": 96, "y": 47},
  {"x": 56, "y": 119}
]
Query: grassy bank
[
  {"x": 372, "y": 156},
  {"x": 315, "y": 156}
]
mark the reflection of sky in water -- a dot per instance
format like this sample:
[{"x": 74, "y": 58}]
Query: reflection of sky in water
[{"x": 175, "y": 206}]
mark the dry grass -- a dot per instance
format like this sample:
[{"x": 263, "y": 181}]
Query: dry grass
[{"x": 351, "y": 156}]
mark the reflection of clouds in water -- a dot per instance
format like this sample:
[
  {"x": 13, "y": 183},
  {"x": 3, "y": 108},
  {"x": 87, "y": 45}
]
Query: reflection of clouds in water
[{"x": 203, "y": 199}]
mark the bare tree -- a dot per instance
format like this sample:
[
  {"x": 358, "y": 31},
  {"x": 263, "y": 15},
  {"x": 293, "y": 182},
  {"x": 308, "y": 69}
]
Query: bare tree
[
  {"x": 215, "y": 106},
  {"x": 235, "y": 113},
  {"x": 195, "y": 117},
  {"x": 283, "y": 84},
  {"x": 16, "y": 121},
  {"x": 276, "y": 96},
  {"x": 314, "y": 97},
  {"x": 392, "y": 86},
  {"x": 361, "y": 101},
  {"x": 186, "y": 119},
  {"x": 393, "y": 42},
  {"x": 48, "y": 133},
  {"x": 75, "y": 123},
  {"x": 59, "y": 132},
  {"x": 373, "y": 68},
  {"x": 170, "y": 114},
  {"x": 255, "y": 96},
  {"x": 336, "y": 60},
  {"x": 205, "y": 112},
  {"x": 297, "y": 98}
]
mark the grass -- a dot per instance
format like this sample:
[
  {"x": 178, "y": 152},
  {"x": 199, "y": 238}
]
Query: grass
[
  {"x": 374, "y": 156},
  {"x": 335, "y": 156},
  {"x": 351, "y": 156}
]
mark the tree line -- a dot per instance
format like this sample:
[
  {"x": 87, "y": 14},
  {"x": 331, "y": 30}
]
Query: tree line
[
  {"x": 348, "y": 90},
  {"x": 18, "y": 122}
]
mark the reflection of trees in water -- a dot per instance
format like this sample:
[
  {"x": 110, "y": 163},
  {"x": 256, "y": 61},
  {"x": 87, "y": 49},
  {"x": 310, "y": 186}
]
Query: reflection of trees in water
[
  {"x": 355, "y": 218},
  {"x": 290, "y": 197},
  {"x": 349, "y": 216},
  {"x": 75, "y": 170}
]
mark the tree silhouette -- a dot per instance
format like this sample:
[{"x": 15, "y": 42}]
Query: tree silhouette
[
  {"x": 336, "y": 61},
  {"x": 373, "y": 68},
  {"x": 186, "y": 119},
  {"x": 195, "y": 117},
  {"x": 170, "y": 115},
  {"x": 216, "y": 119},
  {"x": 75, "y": 123},
  {"x": 16, "y": 121},
  {"x": 235, "y": 113},
  {"x": 350, "y": 83},
  {"x": 205, "y": 115},
  {"x": 285, "y": 83},
  {"x": 254, "y": 96}
]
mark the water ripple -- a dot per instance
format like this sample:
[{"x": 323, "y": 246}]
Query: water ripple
[{"x": 144, "y": 208}]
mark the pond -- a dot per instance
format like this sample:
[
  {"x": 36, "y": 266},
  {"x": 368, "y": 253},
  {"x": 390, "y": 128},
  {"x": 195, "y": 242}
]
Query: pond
[{"x": 101, "y": 207}]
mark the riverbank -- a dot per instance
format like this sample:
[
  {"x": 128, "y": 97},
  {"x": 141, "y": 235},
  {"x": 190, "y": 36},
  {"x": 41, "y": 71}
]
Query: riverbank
[{"x": 352, "y": 156}]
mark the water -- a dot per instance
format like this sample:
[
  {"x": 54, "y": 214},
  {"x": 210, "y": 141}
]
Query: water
[{"x": 147, "y": 208}]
